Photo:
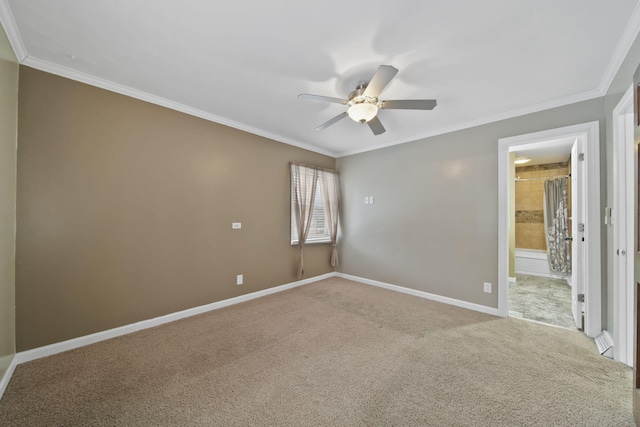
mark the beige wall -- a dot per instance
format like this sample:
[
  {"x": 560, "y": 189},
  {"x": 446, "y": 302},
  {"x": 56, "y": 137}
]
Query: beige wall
[
  {"x": 8, "y": 141},
  {"x": 434, "y": 224},
  {"x": 125, "y": 211},
  {"x": 530, "y": 203}
]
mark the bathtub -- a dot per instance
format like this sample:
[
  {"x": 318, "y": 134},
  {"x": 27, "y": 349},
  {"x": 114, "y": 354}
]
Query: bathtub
[{"x": 532, "y": 262}]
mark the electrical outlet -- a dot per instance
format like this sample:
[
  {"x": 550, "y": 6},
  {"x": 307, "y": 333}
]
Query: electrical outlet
[
  {"x": 239, "y": 279},
  {"x": 487, "y": 287}
]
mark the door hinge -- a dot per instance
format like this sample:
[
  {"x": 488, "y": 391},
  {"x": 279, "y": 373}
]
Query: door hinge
[
  {"x": 581, "y": 228},
  {"x": 580, "y": 297},
  {"x": 581, "y": 157}
]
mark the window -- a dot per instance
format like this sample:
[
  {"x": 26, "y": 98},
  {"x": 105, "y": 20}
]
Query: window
[
  {"x": 320, "y": 225},
  {"x": 318, "y": 233}
]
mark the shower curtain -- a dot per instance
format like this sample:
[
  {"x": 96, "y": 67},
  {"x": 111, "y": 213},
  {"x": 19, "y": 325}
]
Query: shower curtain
[{"x": 556, "y": 226}]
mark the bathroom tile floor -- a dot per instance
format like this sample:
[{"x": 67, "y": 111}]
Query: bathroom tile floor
[{"x": 541, "y": 299}]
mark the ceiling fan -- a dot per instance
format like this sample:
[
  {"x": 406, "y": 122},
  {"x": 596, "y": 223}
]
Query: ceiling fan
[{"x": 364, "y": 104}]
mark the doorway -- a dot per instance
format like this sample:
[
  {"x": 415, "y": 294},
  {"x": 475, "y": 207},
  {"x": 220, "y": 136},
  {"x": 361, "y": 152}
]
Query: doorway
[
  {"x": 585, "y": 287},
  {"x": 545, "y": 300},
  {"x": 538, "y": 292}
]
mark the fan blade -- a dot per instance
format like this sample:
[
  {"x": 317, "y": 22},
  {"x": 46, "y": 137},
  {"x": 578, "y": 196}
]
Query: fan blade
[
  {"x": 409, "y": 104},
  {"x": 332, "y": 121},
  {"x": 380, "y": 80},
  {"x": 376, "y": 126},
  {"x": 322, "y": 98}
]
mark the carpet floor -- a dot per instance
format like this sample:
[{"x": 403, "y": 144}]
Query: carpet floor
[{"x": 334, "y": 352}]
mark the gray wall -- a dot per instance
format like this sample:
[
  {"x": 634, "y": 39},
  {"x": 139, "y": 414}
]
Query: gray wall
[
  {"x": 8, "y": 141},
  {"x": 434, "y": 224}
]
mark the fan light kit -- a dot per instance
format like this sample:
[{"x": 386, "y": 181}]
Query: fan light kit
[
  {"x": 362, "y": 112},
  {"x": 364, "y": 104}
]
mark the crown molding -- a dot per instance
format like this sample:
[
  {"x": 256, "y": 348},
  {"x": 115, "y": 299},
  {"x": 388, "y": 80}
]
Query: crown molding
[
  {"x": 11, "y": 29},
  {"x": 485, "y": 120},
  {"x": 628, "y": 37},
  {"x": 7, "y": 20},
  {"x": 65, "y": 72}
]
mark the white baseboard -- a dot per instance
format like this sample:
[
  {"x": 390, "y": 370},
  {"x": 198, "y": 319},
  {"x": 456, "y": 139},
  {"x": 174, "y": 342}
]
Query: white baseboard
[
  {"x": 421, "y": 294},
  {"x": 512, "y": 279},
  {"x": 49, "y": 350},
  {"x": 4, "y": 381}
]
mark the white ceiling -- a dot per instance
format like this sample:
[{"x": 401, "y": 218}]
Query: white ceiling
[
  {"x": 544, "y": 152},
  {"x": 243, "y": 63}
]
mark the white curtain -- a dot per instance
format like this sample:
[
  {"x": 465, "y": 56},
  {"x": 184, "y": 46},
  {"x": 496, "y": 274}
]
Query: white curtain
[
  {"x": 304, "y": 193},
  {"x": 556, "y": 226},
  {"x": 330, "y": 185}
]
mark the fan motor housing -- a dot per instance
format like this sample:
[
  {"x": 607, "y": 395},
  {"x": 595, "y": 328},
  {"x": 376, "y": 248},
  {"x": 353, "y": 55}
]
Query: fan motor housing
[{"x": 358, "y": 97}]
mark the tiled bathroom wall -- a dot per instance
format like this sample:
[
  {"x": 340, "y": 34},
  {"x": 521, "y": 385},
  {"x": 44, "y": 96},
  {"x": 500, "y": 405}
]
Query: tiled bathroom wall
[{"x": 529, "y": 203}]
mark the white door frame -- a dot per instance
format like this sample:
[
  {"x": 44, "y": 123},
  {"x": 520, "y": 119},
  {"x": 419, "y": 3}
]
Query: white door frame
[
  {"x": 578, "y": 250},
  {"x": 622, "y": 222},
  {"x": 590, "y": 132}
]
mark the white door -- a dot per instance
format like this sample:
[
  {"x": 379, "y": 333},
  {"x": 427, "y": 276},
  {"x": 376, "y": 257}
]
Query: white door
[
  {"x": 577, "y": 232},
  {"x": 622, "y": 222}
]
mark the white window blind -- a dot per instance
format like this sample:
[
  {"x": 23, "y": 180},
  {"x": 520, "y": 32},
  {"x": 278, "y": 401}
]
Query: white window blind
[{"x": 320, "y": 229}]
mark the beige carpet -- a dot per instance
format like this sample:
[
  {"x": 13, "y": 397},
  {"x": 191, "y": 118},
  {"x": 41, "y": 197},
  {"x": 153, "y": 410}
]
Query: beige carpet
[{"x": 331, "y": 353}]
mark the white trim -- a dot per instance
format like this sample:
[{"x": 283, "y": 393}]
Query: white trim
[
  {"x": 622, "y": 49},
  {"x": 49, "y": 350},
  {"x": 503, "y": 228},
  {"x": 4, "y": 381},
  {"x": 164, "y": 102},
  {"x": 421, "y": 294},
  {"x": 622, "y": 292},
  {"x": 11, "y": 30},
  {"x": 585, "y": 96},
  {"x": 8, "y": 22},
  {"x": 546, "y": 324},
  {"x": 591, "y": 132},
  {"x": 153, "y": 99},
  {"x": 512, "y": 280}
]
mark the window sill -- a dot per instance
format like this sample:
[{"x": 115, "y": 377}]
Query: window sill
[{"x": 312, "y": 242}]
